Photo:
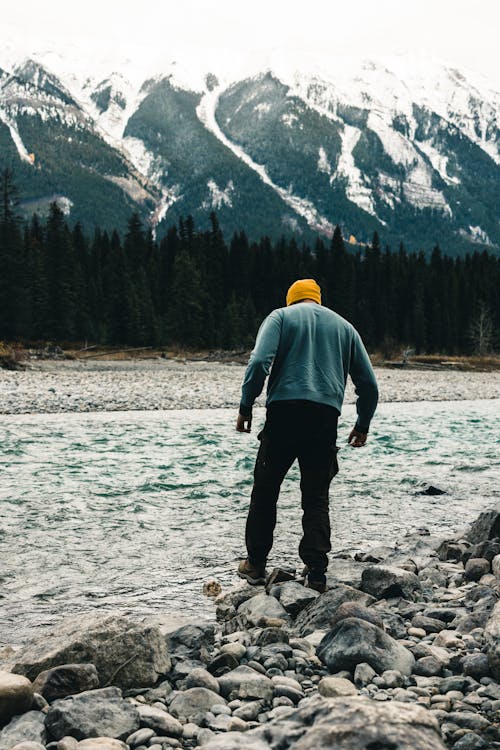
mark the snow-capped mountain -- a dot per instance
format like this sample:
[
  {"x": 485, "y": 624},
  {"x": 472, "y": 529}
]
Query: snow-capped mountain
[{"x": 409, "y": 148}]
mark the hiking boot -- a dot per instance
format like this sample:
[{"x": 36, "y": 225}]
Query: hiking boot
[
  {"x": 314, "y": 580},
  {"x": 254, "y": 574}
]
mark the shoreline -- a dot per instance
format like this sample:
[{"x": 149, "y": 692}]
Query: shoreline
[{"x": 408, "y": 646}]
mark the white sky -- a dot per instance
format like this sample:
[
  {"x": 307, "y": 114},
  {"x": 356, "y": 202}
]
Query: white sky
[{"x": 225, "y": 32}]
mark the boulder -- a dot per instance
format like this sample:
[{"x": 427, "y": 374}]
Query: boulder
[
  {"x": 386, "y": 581},
  {"x": 476, "y": 568},
  {"x": 355, "y": 609},
  {"x": 336, "y": 687},
  {"x": 16, "y": 694},
  {"x": 194, "y": 701},
  {"x": 202, "y": 678},
  {"x": 161, "y": 721},
  {"x": 101, "y": 743},
  {"x": 352, "y": 723},
  {"x": 96, "y": 713},
  {"x": 293, "y": 596},
  {"x": 492, "y": 638},
  {"x": 319, "y": 614},
  {"x": 227, "y": 604},
  {"x": 68, "y": 679},
  {"x": 29, "y": 727},
  {"x": 193, "y": 641},
  {"x": 125, "y": 653},
  {"x": 353, "y": 641},
  {"x": 346, "y": 571},
  {"x": 261, "y": 607},
  {"x": 246, "y": 683},
  {"x": 486, "y": 526}
]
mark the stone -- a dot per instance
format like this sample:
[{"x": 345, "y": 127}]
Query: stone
[
  {"x": 125, "y": 653},
  {"x": 65, "y": 680},
  {"x": 249, "y": 711},
  {"x": 261, "y": 607},
  {"x": 140, "y": 737},
  {"x": 476, "y": 665},
  {"x": 428, "y": 666},
  {"x": 476, "y": 567},
  {"x": 486, "y": 526},
  {"x": 354, "y": 641},
  {"x": 336, "y": 687},
  {"x": 431, "y": 490},
  {"x": 429, "y": 624},
  {"x": 29, "y": 727},
  {"x": 193, "y": 641},
  {"x": 67, "y": 743},
  {"x": 16, "y": 695},
  {"x": 227, "y": 604},
  {"x": 29, "y": 745},
  {"x": 392, "y": 678},
  {"x": 492, "y": 638},
  {"x": 345, "y": 571},
  {"x": 487, "y": 549},
  {"x": 221, "y": 664},
  {"x": 202, "y": 678},
  {"x": 387, "y": 581},
  {"x": 96, "y": 713},
  {"x": 363, "y": 674},
  {"x": 319, "y": 614},
  {"x": 355, "y": 609},
  {"x": 470, "y": 741},
  {"x": 212, "y": 588},
  {"x": 238, "y": 650},
  {"x": 246, "y": 683},
  {"x": 468, "y": 720},
  {"x": 101, "y": 743},
  {"x": 293, "y": 596},
  {"x": 188, "y": 703},
  {"x": 160, "y": 721},
  {"x": 352, "y": 723},
  {"x": 448, "y": 639},
  {"x": 271, "y": 635},
  {"x": 495, "y": 566}
]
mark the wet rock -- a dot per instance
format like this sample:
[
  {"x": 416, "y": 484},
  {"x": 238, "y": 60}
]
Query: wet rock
[
  {"x": 355, "y": 723},
  {"x": 355, "y": 609},
  {"x": 476, "y": 567},
  {"x": 386, "y": 581},
  {"x": 227, "y": 604},
  {"x": 373, "y": 555},
  {"x": 65, "y": 680},
  {"x": 125, "y": 653},
  {"x": 279, "y": 575},
  {"x": 487, "y": 549},
  {"x": 470, "y": 741},
  {"x": 476, "y": 666},
  {"x": 293, "y": 596},
  {"x": 261, "y": 607},
  {"x": 431, "y": 490},
  {"x": 319, "y": 614},
  {"x": 202, "y": 678},
  {"x": 246, "y": 683},
  {"x": 486, "y": 526},
  {"x": 354, "y": 641},
  {"x": 393, "y": 624},
  {"x": 336, "y": 687},
  {"x": 346, "y": 571},
  {"x": 221, "y": 664},
  {"x": 271, "y": 635},
  {"x": 451, "y": 550},
  {"x": 193, "y": 641},
  {"x": 16, "y": 695},
  {"x": 97, "y": 713},
  {"x": 194, "y": 701},
  {"x": 160, "y": 721},
  {"x": 29, "y": 727}
]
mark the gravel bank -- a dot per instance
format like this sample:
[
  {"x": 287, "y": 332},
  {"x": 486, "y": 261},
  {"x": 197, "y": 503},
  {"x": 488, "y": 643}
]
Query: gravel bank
[{"x": 68, "y": 386}]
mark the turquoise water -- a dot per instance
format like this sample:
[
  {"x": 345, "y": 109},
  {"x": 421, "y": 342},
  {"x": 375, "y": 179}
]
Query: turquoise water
[{"x": 135, "y": 510}]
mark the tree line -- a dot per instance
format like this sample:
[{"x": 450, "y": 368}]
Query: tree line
[{"x": 195, "y": 290}]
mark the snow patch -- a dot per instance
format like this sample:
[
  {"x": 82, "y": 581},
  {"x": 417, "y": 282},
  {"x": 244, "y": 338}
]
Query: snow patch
[
  {"x": 289, "y": 119},
  {"x": 476, "y": 234},
  {"x": 21, "y": 148},
  {"x": 438, "y": 160},
  {"x": 218, "y": 197},
  {"x": 263, "y": 108},
  {"x": 65, "y": 204},
  {"x": 323, "y": 163},
  {"x": 356, "y": 189},
  {"x": 168, "y": 197}
]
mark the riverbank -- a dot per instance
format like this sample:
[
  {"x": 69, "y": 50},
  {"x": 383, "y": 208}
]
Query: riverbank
[
  {"x": 51, "y": 386},
  {"x": 404, "y": 653}
]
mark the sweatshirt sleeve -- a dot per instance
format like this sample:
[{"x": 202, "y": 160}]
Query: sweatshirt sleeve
[
  {"x": 266, "y": 346},
  {"x": 363, "y": 377}
]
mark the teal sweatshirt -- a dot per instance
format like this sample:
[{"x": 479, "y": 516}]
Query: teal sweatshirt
[{"x": 312, "y": 350}]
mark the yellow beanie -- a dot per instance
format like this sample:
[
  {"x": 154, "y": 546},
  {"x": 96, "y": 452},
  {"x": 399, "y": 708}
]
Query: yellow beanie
[{"x": 303, "y": 289}]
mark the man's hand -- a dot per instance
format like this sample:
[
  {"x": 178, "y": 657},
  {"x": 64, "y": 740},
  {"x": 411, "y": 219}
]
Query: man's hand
[
  {"x": 357, "y": 439},
  {"x": 243, "y": 424}
]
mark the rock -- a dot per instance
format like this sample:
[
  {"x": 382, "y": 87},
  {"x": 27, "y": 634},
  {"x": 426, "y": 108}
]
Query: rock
[
  {"x": 124, "y": 652},
  {"x": 202, "y": 678},
  {"x": 470, "y": 741},
  {"x": 345, "y": 571},
  {"x": 271, "y": 635},
  {"x": 336, "y": 687},
  {"x": 238, "y": 650},
  {"x": 487, "y": 549},
  {"x": 279, "y": 575},
  {"x": 476, "y": 567},
  {"x": 355, "y": 609},
  {"x": 246, "y": 683},
  {"x": 431, "y": 490},
  {"x": 16, "y": 695},
  {"x": 354, "y": 723},
  {"x": 386, "y": 581},
  {"x": 101, "y": 743},
  {"x": 428, "y": 666},
  {"x": 96, "y": 713},
  {"x": 67, "y": 679},
  {"x": 27, "y": 727},
  {"x": 492, "y": 637},
  {"x": 261, "y": 607},
  {"x": 29, "y": 745},
  {"x": 363, "y": 674},
  {"x": 354, "y": 641},
  {"x": 476, "y": 666},
  {"x": 495, "y": 566},
  {"x": 212, "y": 588},
  {"x": 486, "y": 526},
  {"x": 193, "y": 641},
  {"x": 429, "y": 624},
  {"x": 141, "y": 737},
  {"x": 227, "y": 604},
  {"x": 160, "y": 721},
  {"x": 468, "y": 720},
  {"x": 194, "y": 701},
  {"x": 448, "y": 639},
  {"x": 293, "y": 596},
  {"x": 319, "y": 614},
  {"x": 221, "y": 664},
  {"x": 249, "y": 711}
]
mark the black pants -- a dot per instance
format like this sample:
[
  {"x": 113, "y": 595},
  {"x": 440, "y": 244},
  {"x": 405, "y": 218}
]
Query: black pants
[{"x": 306, "y": 431}]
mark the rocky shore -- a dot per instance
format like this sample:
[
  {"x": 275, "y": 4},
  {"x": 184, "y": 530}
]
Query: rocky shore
[
  {"x": 75, "y": 386},
  {"x": 402, "y": 652}
]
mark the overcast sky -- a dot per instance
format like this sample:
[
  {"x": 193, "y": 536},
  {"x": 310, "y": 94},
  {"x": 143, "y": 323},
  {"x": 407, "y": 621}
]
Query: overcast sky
[{"x": 461, "y": 32}]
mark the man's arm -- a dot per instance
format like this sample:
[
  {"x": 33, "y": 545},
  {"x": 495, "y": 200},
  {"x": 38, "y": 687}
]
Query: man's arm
[
  {"x": 363, "y": 377},
  {"x": 266, "y": 346}
]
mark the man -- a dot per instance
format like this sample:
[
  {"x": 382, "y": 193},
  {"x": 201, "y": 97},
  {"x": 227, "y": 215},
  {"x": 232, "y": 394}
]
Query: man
[{"x": 312, "y": 351}]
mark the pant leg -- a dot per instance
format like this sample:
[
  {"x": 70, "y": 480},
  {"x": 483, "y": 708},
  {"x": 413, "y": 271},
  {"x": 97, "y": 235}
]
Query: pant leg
[
  {"x": 274, "y": 458},
  {"x": 318, "y": 465}
]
